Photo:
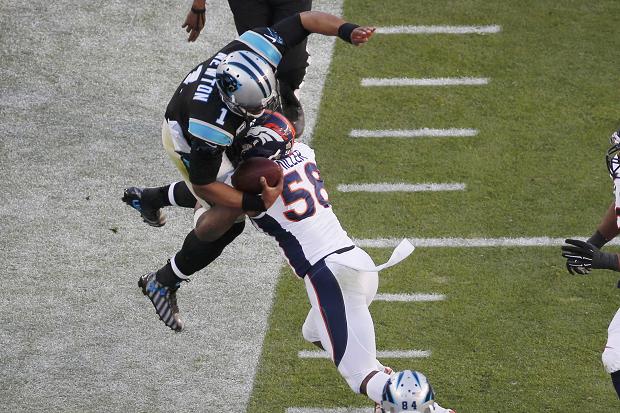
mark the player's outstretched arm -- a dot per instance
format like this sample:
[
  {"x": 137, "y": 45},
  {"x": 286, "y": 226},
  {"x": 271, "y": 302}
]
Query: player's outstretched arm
[
  {"x": 330, "y": 25},
  {"x": 195, "y": 20}
]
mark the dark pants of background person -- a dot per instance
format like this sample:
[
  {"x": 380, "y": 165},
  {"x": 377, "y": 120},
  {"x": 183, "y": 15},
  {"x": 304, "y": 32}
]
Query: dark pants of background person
[{"x": 263, "y": 13}]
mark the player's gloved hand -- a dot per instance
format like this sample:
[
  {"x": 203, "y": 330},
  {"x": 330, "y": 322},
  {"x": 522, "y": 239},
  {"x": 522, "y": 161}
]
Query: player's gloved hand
[
  {"x": 195, "y": 20},
  {"x": 581, "y": 257}
]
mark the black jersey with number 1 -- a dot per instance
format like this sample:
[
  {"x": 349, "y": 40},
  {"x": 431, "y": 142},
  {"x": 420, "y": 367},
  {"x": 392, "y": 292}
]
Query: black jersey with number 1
[{"x": 207, "y": 124}]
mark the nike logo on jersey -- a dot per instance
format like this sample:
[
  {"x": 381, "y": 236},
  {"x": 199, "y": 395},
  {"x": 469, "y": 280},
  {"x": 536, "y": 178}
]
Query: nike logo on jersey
[{"x": 273, "y": 37}]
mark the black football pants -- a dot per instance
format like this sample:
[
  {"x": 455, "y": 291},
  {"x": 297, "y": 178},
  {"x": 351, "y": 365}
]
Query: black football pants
[{"x": 263, "y": 13}]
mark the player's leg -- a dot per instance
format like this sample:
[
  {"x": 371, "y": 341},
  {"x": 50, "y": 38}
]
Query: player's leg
[
  {"x": 250, "y": 14},
  {"x": 195, "y": 254},
  {"x": 292, "y": 68},
  {"x": 611, "y": 354},
  {"x": 150, "y": 201},
  {"x": 215, "y": 228},
  {"x": 344, "y": 325}
]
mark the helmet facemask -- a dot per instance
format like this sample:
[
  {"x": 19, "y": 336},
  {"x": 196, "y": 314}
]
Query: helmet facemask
[{"x": 613, "y": 160}]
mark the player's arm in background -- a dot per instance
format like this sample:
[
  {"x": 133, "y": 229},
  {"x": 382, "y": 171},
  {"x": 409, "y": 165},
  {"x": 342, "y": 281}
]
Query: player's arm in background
[
  {"x": 195, "y": 20},
  {"x": 582, "y": 256},
  {"x": 330, "y": 25}
]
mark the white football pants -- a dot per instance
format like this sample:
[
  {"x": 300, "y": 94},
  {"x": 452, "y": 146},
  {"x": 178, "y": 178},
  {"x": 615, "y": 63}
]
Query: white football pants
[
  {"x": 339, "y": 317},
  {"x": 611, "y": 354}
]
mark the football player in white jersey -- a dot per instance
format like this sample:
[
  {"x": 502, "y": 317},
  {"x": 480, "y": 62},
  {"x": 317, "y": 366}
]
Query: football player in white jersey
[
  {"x": 583, "y": 256},
  {"x": 341, "y": 279}
]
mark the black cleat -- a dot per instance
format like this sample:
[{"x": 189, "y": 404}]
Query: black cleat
[
  {"x": 291, "y": 108},
  {"x": 164, "y": 300},
  {"x": 133, "y": 198}
]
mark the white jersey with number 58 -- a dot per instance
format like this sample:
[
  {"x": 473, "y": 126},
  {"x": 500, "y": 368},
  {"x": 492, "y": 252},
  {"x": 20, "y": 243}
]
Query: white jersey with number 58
[{"x": 302, "y": 220}]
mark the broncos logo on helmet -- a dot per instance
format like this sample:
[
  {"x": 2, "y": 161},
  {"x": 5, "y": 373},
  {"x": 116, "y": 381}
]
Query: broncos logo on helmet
[{"x": 270, "y": 136}]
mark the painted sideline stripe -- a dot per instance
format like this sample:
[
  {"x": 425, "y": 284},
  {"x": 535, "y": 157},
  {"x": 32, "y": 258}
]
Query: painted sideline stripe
[
  {"x": 417, "y": 297},
  {"x": 471, "y": 242},
  {"x": 439, "y": 29},
  {"x": 393, "y": 354},
  {"x": 400, "y": 187},
  {"x": 412, "y": 133},
  {"x": 327, "y": 410},
  {"x": 439, "y": 81}
]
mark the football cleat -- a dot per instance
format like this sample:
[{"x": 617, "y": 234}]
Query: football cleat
[
  {"x": 164, "y": 300},
  {"x": 133, "y": 197},
  {"x": 378, "y": 408}
]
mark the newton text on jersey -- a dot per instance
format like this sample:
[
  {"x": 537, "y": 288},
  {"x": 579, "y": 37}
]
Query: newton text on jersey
[{"x": 207, "y": 82}]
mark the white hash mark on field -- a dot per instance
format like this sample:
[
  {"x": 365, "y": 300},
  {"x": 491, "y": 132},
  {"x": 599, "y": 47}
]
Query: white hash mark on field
[
  {"x": 438, "y": 81},
  {"x": 470, "y": 242},
  {"x": 439, "y": 29},
  {"x": 416, "y": 297},
  {"x": 401, "y": 187},
  {"x": 393, "y": 354},
  {"x": 412, "y": 133}
]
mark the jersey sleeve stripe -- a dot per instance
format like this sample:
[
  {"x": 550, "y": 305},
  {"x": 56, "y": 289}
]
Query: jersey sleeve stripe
[
  {"x": 262, "y": 46},
  {"x": 258, "y": 78},
  {"x": 210, "y": 133}
]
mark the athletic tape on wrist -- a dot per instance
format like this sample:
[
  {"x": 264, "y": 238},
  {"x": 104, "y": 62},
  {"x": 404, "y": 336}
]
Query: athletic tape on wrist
[
  {"x": 252, "y": 202},
  {"x": 345, "y": 30}
]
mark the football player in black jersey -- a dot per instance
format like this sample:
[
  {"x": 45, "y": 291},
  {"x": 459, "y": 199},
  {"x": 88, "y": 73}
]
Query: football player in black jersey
[
  {"x": 264, "y": 13},
  {"x": 210, "y": 106}
]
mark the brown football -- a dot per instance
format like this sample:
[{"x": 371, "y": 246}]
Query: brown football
[{"x": 247, "y": 175}]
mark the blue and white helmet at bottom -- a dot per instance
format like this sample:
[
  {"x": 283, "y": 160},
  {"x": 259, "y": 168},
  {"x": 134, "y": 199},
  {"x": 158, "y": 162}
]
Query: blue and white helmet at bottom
[
  {"x": 246, "y": 82},
  {"x": 407, "y": 391}
]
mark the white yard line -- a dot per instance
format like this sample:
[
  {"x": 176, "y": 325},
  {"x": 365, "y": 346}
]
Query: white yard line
[
  {"x": 416, "y": 297},
  {"x": 470, "y": 242},
  {"x": 412, "y": 133},
  {"x": 439, "y": 29},
  {"x": 438, "y": 81},
  {"x": 392, "y": 354},
  {"x": 401, "y": 187}
]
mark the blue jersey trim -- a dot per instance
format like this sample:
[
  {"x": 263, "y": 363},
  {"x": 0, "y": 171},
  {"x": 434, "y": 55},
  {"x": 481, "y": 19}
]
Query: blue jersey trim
[
  {"x": 331, "y": 305},
  {"x": 262, "y": 46},
  {"x": 207, "y": 132},
  {"x": 288, "y": 243}
]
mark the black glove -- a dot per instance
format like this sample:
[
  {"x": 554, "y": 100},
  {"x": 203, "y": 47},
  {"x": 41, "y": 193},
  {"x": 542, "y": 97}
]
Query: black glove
[{"x": 581, "y": 257}]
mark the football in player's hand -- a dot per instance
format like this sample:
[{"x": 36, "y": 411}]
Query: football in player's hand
[{"x": 247, "y": 175}]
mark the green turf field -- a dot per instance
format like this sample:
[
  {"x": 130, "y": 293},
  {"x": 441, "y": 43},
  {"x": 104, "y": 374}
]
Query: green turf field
[{"x": 516, "y": 333}]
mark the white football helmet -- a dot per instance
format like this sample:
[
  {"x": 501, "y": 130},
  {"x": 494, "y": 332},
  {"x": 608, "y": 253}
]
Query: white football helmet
[
  {"x": 246, "y": 82},
  {"x": 408, "y": 391},
  {"x": 613, "y": 161},
  {"x": 270, "y": 136}
]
